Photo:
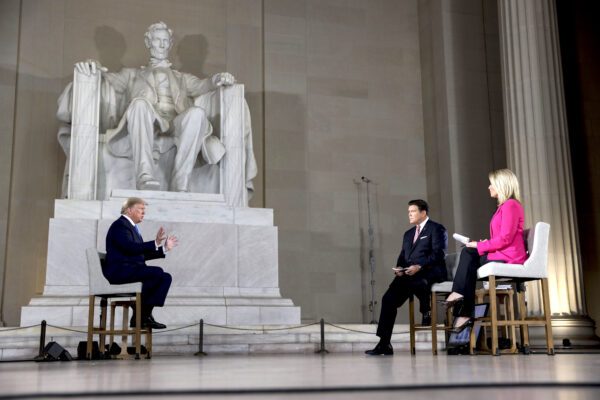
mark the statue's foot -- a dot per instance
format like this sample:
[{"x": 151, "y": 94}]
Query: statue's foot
[
  {"x": 181, "y": 187},
  {"x": 149, "y": 185}
]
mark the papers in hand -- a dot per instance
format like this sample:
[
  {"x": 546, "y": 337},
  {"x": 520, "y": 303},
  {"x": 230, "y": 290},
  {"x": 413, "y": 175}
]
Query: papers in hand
[{"x": 460, "y": 238}]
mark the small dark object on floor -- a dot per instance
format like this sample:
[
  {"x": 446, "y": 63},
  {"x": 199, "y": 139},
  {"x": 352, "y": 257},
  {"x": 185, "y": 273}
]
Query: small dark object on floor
[
  {"x": 131, "y": 350},
  {"x": 503, "y": 343},
  {"x": 458, "y": 350},
  {"x": 113, "y": 350}
]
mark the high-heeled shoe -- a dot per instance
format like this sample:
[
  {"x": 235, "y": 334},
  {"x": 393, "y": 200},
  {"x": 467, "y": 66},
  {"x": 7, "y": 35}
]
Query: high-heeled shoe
[
  {"x": 453, "y": 303},
  {"x": 468, "y": 323}
]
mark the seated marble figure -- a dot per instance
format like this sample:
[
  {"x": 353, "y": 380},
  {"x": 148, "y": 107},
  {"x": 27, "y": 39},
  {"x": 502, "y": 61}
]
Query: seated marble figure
[{"x": 148, "y": 111}]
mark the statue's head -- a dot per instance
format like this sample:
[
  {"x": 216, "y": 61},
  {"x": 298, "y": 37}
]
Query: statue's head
[{"x": 159, "y": 39}]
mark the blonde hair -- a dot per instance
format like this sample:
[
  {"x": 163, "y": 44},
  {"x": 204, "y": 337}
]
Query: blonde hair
[
  {"x": 130, "y": 202},
  {"x": 506, "y": 184}
]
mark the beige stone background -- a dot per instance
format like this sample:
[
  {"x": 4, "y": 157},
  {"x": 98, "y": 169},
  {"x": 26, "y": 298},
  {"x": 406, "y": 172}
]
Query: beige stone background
[{"x": 405, "y": 92}]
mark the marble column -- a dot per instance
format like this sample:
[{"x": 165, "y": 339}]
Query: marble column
[
  {"x": 9, "y": 42},
  {"x": 538, "y": 147}
]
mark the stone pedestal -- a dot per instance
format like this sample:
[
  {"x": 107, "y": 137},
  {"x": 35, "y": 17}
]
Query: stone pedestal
[{"x": 225, "y": 269}]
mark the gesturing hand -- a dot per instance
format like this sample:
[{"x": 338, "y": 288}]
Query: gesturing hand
[
  {"x": 171, "y": 242},
  {"x": 160, "y": 236}
]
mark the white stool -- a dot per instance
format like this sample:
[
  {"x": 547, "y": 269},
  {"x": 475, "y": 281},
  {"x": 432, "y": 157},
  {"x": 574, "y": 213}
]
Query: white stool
[{"x": 534, "y": 268}]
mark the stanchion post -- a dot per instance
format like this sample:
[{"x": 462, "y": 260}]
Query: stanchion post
[
  {"x": 200, "y": 351},
  {"x": 41, "y": 356},
  {"x": 42, "y": 338},
  {"x": 322, "y": 349}
]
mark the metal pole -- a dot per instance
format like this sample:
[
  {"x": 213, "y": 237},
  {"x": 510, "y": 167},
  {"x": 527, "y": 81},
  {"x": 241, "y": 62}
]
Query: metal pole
[
  {"x": 322, "y": 349},
  {"x": 41, "y": 356},
  {"x": 200, "y": 351},
  {"x": 371, "y": 253},
  {"x": 42, "y": 338}
]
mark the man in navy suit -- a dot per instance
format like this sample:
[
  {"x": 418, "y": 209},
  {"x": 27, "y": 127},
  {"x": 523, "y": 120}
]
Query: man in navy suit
[
  {"x": 420, "y": 264},
  {"x": 126, "y": 255}
]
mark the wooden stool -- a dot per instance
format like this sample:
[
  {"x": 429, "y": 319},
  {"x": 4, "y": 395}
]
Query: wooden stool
[
  {"x": 125, "y": 304},
  {"x": 438, "y": 294},
  {"x": 100, "y": 287},
  {"x": 507, "y": 313}
]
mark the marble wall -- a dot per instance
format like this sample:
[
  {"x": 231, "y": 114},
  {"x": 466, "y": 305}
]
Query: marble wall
[
  {"x": 342, "y": 100},
  {"x": 405, "y": 92},
  {"x": 462, "y": 105}
]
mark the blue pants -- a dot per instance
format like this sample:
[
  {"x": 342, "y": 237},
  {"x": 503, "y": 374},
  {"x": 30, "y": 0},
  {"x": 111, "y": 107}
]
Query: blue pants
[{"x": 155, "y": 282}]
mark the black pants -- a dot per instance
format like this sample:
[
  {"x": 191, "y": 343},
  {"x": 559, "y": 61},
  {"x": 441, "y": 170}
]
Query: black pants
[
  {"x": 155, "y": 282},
  {"x": 401, "y": 288},
  {"x": 465, "y": 280}
]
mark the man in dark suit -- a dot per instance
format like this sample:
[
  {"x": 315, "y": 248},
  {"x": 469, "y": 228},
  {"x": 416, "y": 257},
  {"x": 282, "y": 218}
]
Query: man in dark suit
[
  {"x": 420, "y": 264},
  {"x": 126, "y": 255}
]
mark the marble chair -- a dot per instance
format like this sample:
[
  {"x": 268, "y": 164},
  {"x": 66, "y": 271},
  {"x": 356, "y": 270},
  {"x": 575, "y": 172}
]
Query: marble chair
[
  {"x": 535, "y": 268},
  {"x": 93, "y": 171},
  {"x": 100, "y": 287},
  {"x": 439, "y": 292}
]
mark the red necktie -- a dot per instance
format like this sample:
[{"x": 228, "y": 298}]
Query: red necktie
[{"x": 417, "y": 231}]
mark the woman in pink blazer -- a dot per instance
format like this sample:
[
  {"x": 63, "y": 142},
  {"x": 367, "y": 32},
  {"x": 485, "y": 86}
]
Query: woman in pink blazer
[{"x": 506, "y": 244}]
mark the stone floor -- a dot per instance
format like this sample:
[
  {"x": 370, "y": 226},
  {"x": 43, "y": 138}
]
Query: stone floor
[{"x": 294, "y": 376}]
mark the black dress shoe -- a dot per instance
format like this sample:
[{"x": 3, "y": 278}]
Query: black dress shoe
[
  {"x": 148, "y": 322},
  {"x": 426, "y": 319},
  {"x": 381, "y": 350},
  {"x": 151, "y": 323},
  {"x": 132, "y": 321}
]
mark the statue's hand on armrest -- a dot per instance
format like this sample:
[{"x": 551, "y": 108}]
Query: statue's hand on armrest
[
  {"x": 223, "y": 79},
  {"x": 89, "y": 67}
]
